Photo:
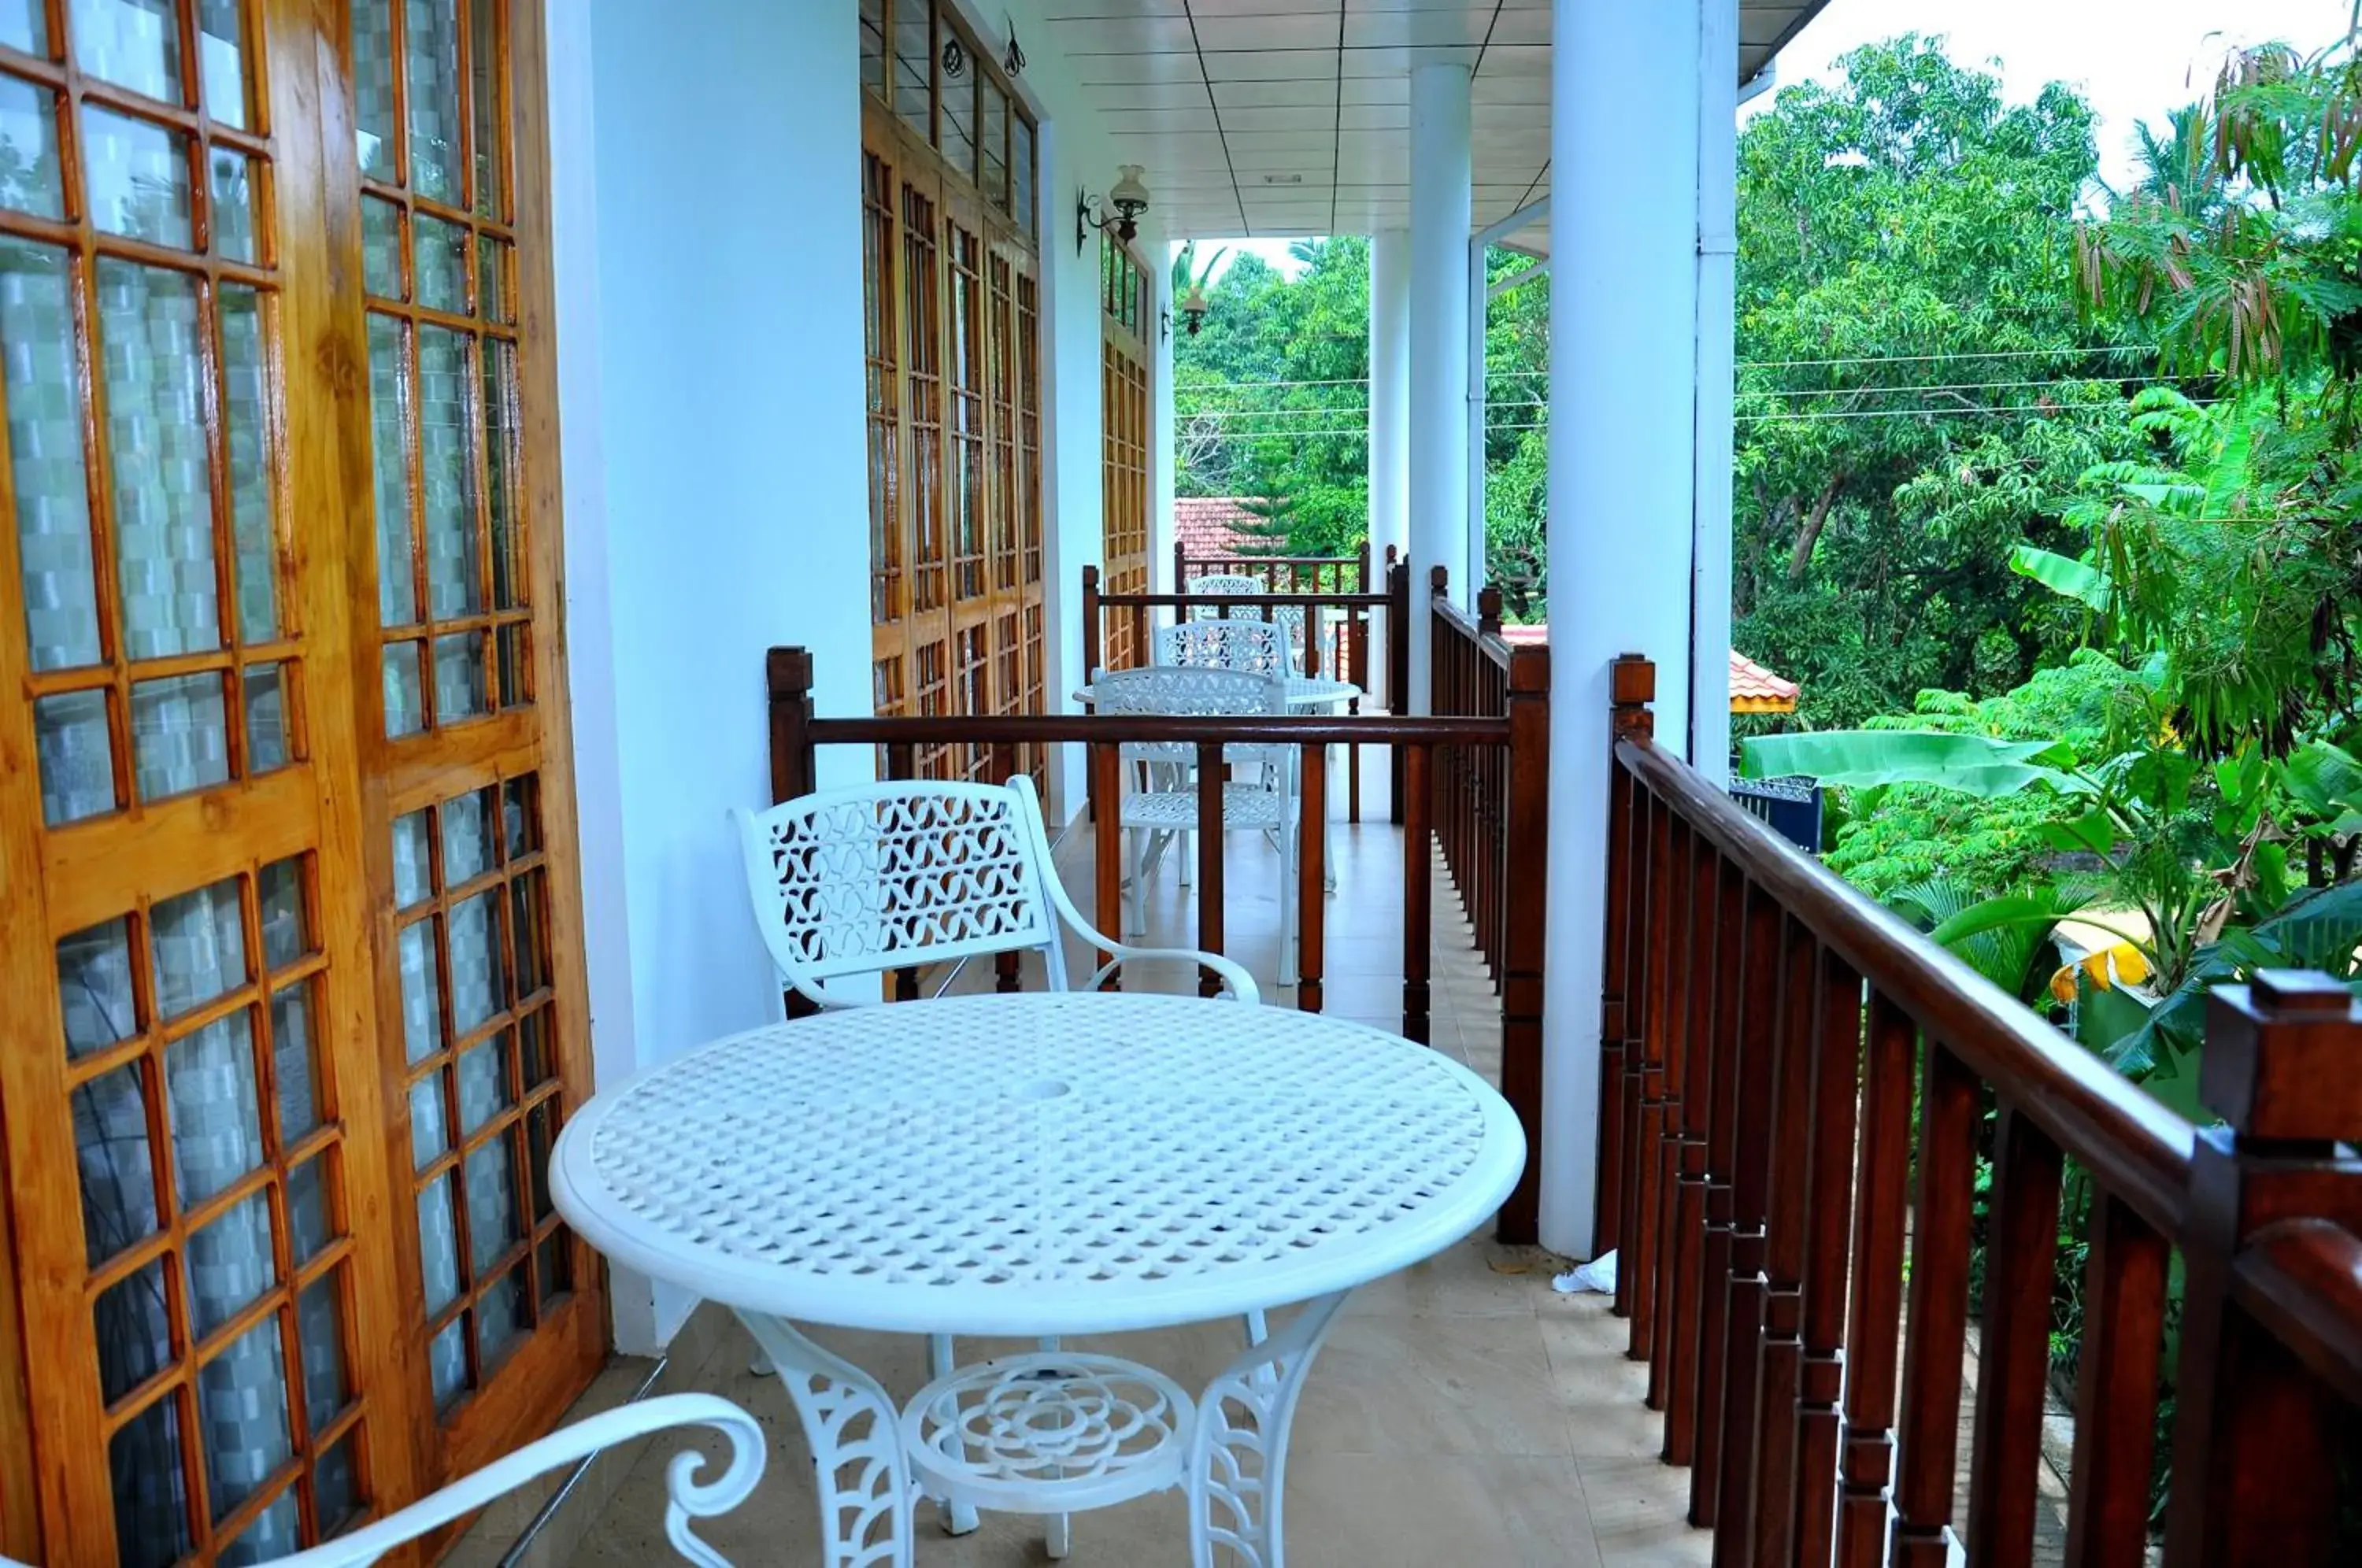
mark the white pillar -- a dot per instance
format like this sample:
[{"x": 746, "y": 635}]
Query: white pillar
[
  {"x": 1623, "y": 471},
  {"x": 1389, "y": 417},
  {"x": 1442, "y": 198},
  {"x": 1160, "y": 424},
  {"x": 1718, "y": 331}
]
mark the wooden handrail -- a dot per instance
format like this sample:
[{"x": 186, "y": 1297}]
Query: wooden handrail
[
  {"x": 1375, "y": 729},
  {"x": 1289, "y": 601},
  {"x": 1760, "y": 1023}
]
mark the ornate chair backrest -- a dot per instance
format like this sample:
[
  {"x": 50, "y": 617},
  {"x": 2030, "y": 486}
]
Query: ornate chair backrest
[
  {"x": 1256, "y": 648},
  {"x": 1194, "y": 691},
  {"x": 1222, "y": 583},
  {"x": 888, "y": 876}
]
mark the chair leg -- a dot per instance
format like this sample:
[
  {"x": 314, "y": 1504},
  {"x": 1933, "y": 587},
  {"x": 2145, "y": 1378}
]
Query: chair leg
[
  {"x": 1136, "y": 920},
  {"x": 1288, "y": 923},
  {"x": 959, "y": 1519}
]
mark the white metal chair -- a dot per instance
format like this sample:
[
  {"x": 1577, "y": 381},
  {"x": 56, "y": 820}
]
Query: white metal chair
[
  {"x": 690, "y": 1498},
  {"x": 1220, "y": 584},
  {"x": 1259, "y": 647},
  {"x": 1153, "y": 816}
]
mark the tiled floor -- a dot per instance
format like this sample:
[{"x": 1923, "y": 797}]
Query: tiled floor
[{"x": 1461, "y": 1413}]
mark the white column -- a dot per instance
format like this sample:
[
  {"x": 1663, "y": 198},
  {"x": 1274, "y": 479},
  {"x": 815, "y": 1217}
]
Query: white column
[
  {"x": 1160, "y": 421},
  {"x": 1389, "y": 417},
  {"x": 1442, "y": 197},
  {"x": 1717, "y": 330},
  {"x": 1623, "y": 472}
]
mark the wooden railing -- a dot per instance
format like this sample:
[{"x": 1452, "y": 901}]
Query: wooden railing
[
  {"x": 1477, "y": 675},
  {"x": 1278, "y": 574},
  {"x": 1794, "y": 1083},
  {"x": 795, "y": 734}
]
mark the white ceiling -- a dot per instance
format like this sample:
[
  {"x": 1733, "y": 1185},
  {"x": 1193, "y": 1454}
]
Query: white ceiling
[{"x": 1292, "y": 117}]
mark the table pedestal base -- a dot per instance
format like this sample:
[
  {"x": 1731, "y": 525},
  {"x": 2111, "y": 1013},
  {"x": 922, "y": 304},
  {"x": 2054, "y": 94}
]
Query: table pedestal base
[{"x": 1004, "y": 1434}]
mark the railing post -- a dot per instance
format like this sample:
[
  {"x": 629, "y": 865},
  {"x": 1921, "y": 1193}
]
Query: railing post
[
  {"x": 1526, "y": 836},
  {"x": 2255, "y": 1449},
  {"x": 1180, "y": 568},
  {"x": 1398, "y": 669},
  {"x": 1091, "y": 798},
  {"x": 788, "y": 675},
  {"x": 1488, "y": 610},
  {"x": 1634, "y": 687}
]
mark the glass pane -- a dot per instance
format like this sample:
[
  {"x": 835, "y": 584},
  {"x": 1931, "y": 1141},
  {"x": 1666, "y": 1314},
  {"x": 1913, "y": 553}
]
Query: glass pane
[
  {"x": 221, "y": 60},
  {"x": 151, "y": 1508},
  {"x": 477, "y": 983},
  {"x": 873, "y": 46},
  {"x": 373, "y": 52},
  {"x": 913, "y": 66},
  {"x": 492, "y": 279},
  {"x": 533, "y": 1046},
  {"x": 521, "y": 815},
  {"x": 266, "y": 718},
  {"x": 242, "y": 1402},
  {"x": 294, "y": 1064},
  {"x": 483, "y": 1084},
  {"x": 30, "y": 177},
  {"x": 994, "y": 160},
  {"x": 1021, "y": 173},
  {"x": 439, "y": 1245},
  {"x": 411, "y": 868},
  {"x": 23, "y": 25},
  {"x": 397, "y": 590},
  {"x": 421, "y": 992},
  {"x": 275, "y": 1533},
  {"x": 200, "y": 947},
  {"x": 180, "y": 734},
  {"x": 502, "y": 1315},
  {"x": 216, "y": 1115},
  {"x": 433, "y": 60},
  {"x": 45, "y": 456},
  {"x": 499, "y": 473},
  {"x": 77, "y": 766},
  {"x": 405, "y": 696},
  {"x": 284, "y": 935},
  {"x": 118, "y": 1183},
  {"x": 309, "y": 1226},
  {"x": 430, "y": 1122},
  {"x": 233, "y": 185},
  {"x": 956, "y": 121},
  {"x": 335, "y": 1489},
  {"x": 540, "y": 1134},
  {"x": 446, "y": 1361},
  {"x": 484, "y": 93},
  {"x": 382, "y": 248},
  {"x": 528, "y": 939},
  {"x": 458, "y": 678},
  {"x": 150, "y": 329},
  {"x": 454, "y": 584},
  {"x": 440, "y": 265},
  {"x": 467, "y": 836},
  {"x": 321, "y": 1329},
  {"x": 132, "y": 43},
  {"x": 135, "y": 1331},
  {"x": 492, "y": 1225},
  {"x": 95, "y": 987},
  {"x": 138, "y": 175},
  {"x": 230, "y": 1265},
  {"x": 555, "y": 1261},
  {"x": 516, "y": 667},
  {"x": 247, "y": 414}
]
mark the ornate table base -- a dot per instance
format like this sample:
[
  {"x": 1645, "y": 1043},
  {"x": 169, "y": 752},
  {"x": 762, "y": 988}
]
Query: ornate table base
[{"x": 1050, "y": 1432}]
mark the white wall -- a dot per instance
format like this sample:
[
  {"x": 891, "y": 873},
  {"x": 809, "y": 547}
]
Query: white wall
[{"x": 705, "y": 156}]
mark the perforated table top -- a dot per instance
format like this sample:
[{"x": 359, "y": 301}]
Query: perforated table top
[
  {"x": 1303, "y": 691},
  {"x": 1049, "y": 1164}
]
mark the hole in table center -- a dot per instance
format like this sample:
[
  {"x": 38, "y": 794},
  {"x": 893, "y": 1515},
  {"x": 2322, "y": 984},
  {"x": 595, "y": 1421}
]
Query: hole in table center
[{"x": 1044, "y": 1088}]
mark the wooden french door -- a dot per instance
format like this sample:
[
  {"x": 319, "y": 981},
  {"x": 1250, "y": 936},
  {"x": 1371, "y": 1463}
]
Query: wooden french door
[
  {"x": 290, "y": 925},
  {"x": 952, "y": 333},
  {"x": 1126, "y": 409}
]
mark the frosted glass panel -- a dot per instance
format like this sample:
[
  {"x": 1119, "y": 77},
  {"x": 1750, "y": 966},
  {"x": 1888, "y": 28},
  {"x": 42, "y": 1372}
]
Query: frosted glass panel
[
  {"x": 216, "y": 1115},
  {"x": 30, "y": 180},
  {"x": 132, "y": 43},
  {"x": 397, "y": 592},
  {"x": 454, "y": 575},
  {"x": 221, "y": 60},
  {"x": 200, "y": 947},
  {"x": 441, "y": 264},
  {"x": 266, "y": 718},
  {"x": 119, "y": 1179},
  {"x": 421, "y": 992},
  {"x": 95, "y": 988},
  {"x": 138, "y": 175},
  {"x": 180, "y": 734},
  {"x": 242, "y": 1401},
  {"x": 77, "y": 770},
  {"x": 45, "y": 456},
  {"x": 151, "y": 1509},
  {"x": 373, "y": 57},
  {"x": 434, "y": 72},
  {"x": 233, "y": 189},
  {"x": 230, "y": 1265},
  {"x": 246, "y": 413},
  {"x": 148, "y": 329}
]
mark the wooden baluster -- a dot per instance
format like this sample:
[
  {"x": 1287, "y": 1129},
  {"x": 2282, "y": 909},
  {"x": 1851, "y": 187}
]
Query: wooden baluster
[
  {"x": 1615, "y": 1003},
  {"x": 1652, "y": 818},
  {"x": 1094, "y": 660},
  {"x": 1311, "y": 877},
  {"x": 1702, "y": 992},
  {"x": 1180, "y": 568},
  {"x": 1950, "y": 1105},
  {"x": 1107, "y": 849},
  {"x": 1874, "y": 1318},
  {"x": 1828, "y": 1232},
  {"x": 2014, "y": 1349},
  {"x": 1780, "y": 1377},
  {"x": 788, "y": 675},
  {"x": 1681, "y": 923},
  {"x": 1417, "y": 895},
  {"x": 1525, "y": 767},
  {"x": 1213, "y": 778},
  {"x": 1312, "y": 642},
  {"x": 2255, "y": 1431},
  {"x": 1747, "y": 976},
  {"x": 1397, "y": 675},
  {"x": 1750, "y": 1197},
  {"x": 1007, "y": 976},
  {"x": 2116, "y": 1388},
  {"x": 1666, "y": 883},
  {"x": 901, "y": 763},
  {"x": 1142, "y": 651}
]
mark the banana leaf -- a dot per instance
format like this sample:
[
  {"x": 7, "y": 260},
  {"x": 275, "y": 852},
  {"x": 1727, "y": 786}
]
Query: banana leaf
[
  {"x": 1870, "y": 759},
  {"x": 2071, "y": 578}
]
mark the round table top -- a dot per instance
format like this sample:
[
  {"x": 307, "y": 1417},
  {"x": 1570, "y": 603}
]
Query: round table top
[
  {"x": 1062, "y": 1163},
  {"x": 1303, "y": 691}
]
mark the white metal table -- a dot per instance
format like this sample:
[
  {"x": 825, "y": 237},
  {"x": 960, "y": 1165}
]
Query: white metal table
[{"x": 1041, "y": 1165}]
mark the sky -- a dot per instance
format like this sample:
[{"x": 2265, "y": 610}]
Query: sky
[{"x": 2131, "y": 59}]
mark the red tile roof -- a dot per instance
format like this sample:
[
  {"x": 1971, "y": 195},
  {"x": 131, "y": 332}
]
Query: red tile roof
[
  {"x": 1208, "y": 525},
  {"x": 1753, "y": 689}
]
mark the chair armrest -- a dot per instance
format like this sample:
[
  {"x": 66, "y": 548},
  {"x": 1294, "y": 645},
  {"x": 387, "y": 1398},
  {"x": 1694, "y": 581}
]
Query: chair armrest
[{"x": 1235, "y": 979}]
